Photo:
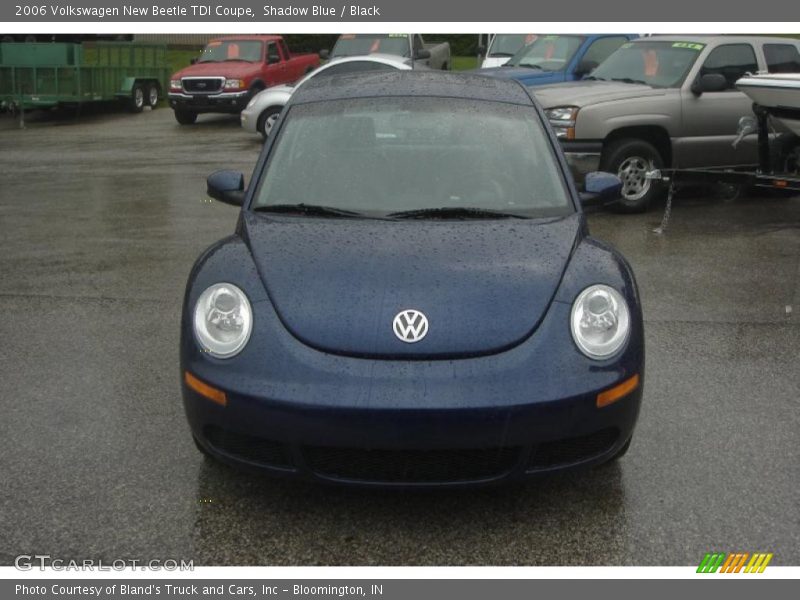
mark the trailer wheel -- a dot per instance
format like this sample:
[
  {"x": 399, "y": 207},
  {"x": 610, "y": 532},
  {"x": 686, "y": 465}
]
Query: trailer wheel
[
  {"x": 631, "y": 159},
  {"x": 185, "y": 117},
  {"x": 137, "y": 98},
  {"x": 152, "y": 96}
]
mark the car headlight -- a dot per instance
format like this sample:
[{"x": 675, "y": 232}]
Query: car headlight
[
  {"x": 234, "y": 84},
  {"x": 175, "y": 84},
  {"x": 600, "y": 321},
  {"x": 223, "y": 320},
  {"x": 562, "y": 120}
]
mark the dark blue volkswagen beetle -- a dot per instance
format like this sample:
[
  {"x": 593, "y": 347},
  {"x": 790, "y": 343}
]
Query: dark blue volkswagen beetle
[{"x": 411, "y": 297}]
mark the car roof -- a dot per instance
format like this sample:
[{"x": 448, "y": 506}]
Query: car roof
[
  {"x": 412, "y": 83},
  {"x": 715, "y": 39},
  {"x": 374, "y": 57}
]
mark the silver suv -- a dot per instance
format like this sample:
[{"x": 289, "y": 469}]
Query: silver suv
[{"x": 663, "y": 101}]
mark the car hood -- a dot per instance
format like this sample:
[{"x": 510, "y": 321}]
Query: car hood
[
  {"x": 584, "y": 93},
  {"x": 231, "y": 70},
  {"x": 337, "y": 284},
  {"x": 525, "y": 73}
]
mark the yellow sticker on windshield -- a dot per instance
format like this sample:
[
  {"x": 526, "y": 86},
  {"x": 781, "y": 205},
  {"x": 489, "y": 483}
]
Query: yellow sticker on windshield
[
  {"x": 688, "y": 45},
  {"x": 628, "y": 45}
]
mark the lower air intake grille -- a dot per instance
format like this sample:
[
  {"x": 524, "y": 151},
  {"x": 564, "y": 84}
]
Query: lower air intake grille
[
  {"x": 572, "y": 450},
  {"x": 249, "y": 448},
  {"x": 411, "y": 466}
]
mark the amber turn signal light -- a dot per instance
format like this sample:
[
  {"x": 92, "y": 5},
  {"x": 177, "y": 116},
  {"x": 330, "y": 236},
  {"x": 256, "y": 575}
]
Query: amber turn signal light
[
  {"x": 618, "y": 391},
  {"x": 205, "y": 390}
]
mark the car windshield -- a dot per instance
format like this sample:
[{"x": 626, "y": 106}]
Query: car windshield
[
  {"x": 360, "y": 44},
  {"x": 658, "y": 64},
  {"x": 246, "y": 50},
  {"x": 508, "y": 44},
  {"x": 381, "y": 156},
  {"x": 548, "y": 52}
]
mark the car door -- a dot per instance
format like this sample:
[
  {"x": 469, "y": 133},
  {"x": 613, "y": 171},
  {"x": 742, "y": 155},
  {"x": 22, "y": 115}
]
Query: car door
[
  {"x": 276, "y": 66},
  {"x": 710, "y": 119},
  {"x": 293, "y": 67}
]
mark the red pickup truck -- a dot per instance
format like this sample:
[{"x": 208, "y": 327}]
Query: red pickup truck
[{"x": 230, "y": 71}]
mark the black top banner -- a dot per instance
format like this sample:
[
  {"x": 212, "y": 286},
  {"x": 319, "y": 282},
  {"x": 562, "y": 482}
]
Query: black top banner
[{"x": 462, "y": 11}]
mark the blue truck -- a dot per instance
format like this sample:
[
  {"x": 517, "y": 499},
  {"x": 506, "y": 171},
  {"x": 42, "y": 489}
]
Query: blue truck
[{"x": 559, "y": 58}]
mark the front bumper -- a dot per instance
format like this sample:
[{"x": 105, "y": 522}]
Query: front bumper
[
  {"x": 224, "y": 102},
  {"x": 292, "y": 410},
  {"x": 582, "y": 157},
  {"x": 249, "y": 120}
]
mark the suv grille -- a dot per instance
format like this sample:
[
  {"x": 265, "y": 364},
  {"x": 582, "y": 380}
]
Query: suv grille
[{"x": 411, "y": 466}]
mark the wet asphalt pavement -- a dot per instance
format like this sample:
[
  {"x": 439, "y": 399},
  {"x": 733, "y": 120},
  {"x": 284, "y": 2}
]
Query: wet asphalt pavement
[{"x": 101, "y": 218}]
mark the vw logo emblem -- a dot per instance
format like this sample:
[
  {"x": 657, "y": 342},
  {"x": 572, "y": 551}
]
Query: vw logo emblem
[{"x": 410, "y": 326}]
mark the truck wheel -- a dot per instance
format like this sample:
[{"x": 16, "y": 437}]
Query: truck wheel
[
  {"x": 137, "y": 98},
  {"x": 185, "y": 117},
  {"x": 267, "y": 119},
  {"x": 631, "y": 159},
  {"x": 152, "y": 96}
]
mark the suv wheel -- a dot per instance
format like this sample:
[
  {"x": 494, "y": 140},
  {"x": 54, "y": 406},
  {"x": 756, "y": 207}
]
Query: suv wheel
[{"x": 631, "y": 160}]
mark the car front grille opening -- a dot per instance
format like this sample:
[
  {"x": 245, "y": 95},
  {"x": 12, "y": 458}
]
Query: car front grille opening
[
  {"x": 572, "y": 450},
  {"x": 202, "y": 86},
  {"x": 248, "y": 447},
  {"x": 411, "y": 466}
]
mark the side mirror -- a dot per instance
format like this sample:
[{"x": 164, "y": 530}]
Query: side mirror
[
  {"x": 325, "y": 54},
  {"x": 585, "y": 67},
  {"x": 600, "y": 188},
  {"x": 710, "y": 82},
  {"x": 422, "y": 54},
  {"x": 482, "y": 50},
  {"x": 194, "y": 60},
  {"x": 226, "y": 186}
]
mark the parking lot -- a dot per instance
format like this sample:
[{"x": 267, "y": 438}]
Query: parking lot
[{"x": 101, "y": 218}]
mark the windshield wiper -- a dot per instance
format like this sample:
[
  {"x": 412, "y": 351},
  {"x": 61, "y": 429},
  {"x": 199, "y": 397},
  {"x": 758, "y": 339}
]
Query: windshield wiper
[
  {"x": 529, "y": 66},
  {"x": 629, "y": 80},
  {"x": 236, "y": 60},
  {"x": 593, "y": 78},
  {"x": 316, "y": 210},
  {"x": 492, "y": 54},
  {"x": 455, "y": 212}
]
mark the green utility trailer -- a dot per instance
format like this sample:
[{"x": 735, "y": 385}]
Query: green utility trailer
[{"x": 45, "y": 75}]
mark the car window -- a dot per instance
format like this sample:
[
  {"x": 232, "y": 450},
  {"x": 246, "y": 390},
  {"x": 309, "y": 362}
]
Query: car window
[
  {"x": 354, "y": 66},
  {"x": 284, "y": 49},
  {"x": 272, "y": 53},
  {"x": 601, "y": 49},
  {"x": 508, "y": 44},
  {"x": 733, "y": 61},
  {"x": 654, "y": 62},
  {"x": 222, "y": 50},
  {"x": 782, "y": 58},
  {"x": 394, "y": 154},
  {"x": 548, "y": 52},
  {"x": 355, "y": 44}
]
